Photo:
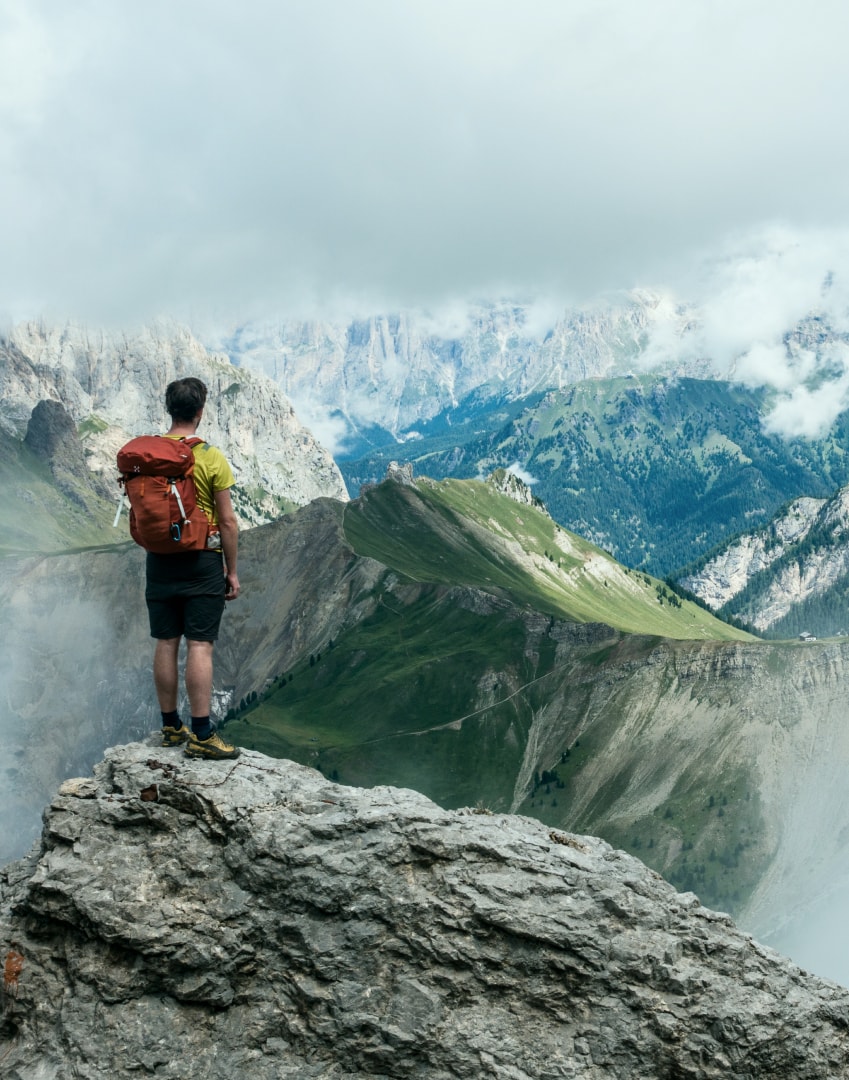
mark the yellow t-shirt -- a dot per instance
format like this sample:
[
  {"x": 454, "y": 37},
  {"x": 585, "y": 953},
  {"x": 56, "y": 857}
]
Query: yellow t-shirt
[{"x": 212, "y": 473}]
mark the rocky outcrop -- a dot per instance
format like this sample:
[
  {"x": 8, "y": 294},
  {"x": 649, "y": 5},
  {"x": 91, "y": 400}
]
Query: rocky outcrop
[
  {"x": 800, "y": 555},
  {"x": 113, "y": 386},
  {"x": 509, "y": 484},
  {"x": 401, "y": 474},
  {"x": 251, "y": 918},
  {"x": 52, "y": 437}
]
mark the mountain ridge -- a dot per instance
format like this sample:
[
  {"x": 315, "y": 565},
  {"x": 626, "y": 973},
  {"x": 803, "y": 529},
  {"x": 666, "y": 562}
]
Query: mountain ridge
[{"x": 616, "y": 460}]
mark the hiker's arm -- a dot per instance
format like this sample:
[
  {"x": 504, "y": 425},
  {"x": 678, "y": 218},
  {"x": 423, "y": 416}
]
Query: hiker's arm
[{"x": 229, "y": 527}]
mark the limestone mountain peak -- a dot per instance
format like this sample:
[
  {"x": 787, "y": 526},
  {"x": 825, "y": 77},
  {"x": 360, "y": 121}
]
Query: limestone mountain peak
[{"x": 112, "y": 385}]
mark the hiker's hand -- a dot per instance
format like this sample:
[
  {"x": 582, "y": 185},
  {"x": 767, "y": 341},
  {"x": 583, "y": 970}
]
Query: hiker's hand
[{"x": 232, "y": 590}]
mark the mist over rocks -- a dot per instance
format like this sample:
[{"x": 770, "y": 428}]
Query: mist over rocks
[
  {"x": 253, "y": 918},
  {"x": 395, "y": 370}
]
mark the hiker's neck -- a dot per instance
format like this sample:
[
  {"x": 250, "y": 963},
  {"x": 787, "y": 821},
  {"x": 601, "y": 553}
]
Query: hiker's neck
[{"x": 185, "y": 428}]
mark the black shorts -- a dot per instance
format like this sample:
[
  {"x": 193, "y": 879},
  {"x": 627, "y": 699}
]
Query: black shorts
[{"x": 185, "y": 595}]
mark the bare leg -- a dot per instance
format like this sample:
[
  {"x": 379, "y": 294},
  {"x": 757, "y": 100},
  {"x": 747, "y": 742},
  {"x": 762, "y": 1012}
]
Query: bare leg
[
  {"x": 199, "y": 676},
  {"x": 165, "y": 672}
]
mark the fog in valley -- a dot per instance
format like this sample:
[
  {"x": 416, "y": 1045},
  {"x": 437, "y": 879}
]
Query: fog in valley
[{"x": 73, "y": 680}]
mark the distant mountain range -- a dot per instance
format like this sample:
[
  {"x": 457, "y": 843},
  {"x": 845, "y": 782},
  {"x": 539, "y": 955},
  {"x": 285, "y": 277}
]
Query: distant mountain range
[
  {"x": 640, "y": 426},
  {"x": 362, "y": 380},
  {"x": 660, "y": 470},
  {"x": 391, "y": 372}
]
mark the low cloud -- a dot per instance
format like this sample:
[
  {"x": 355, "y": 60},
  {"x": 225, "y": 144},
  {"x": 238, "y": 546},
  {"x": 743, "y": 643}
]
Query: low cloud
[
  {"x": 523, "y": 474},
  {"x": 327, "y": 426},
  {"x": 400, "y": 155},
  {"x": 809, "y": 413},
  {"x": 770, "y": 309}
]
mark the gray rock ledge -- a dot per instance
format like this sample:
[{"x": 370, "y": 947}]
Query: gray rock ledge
[{"x": 252, "y": 919}]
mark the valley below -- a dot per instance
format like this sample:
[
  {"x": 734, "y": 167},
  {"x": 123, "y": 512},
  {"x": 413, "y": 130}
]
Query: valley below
[{"x": 410, "y": 639}]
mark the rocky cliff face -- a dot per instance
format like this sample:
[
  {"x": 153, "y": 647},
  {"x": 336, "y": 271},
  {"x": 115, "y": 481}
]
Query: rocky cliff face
[
  {"x": 801, "y": 555},
  {"x": 254, "y": 919},
  {"x": 727, "y": 574},
  {"x": 52, "y": 437},
  {"x": 397, "y": 370},
  {"x": 113, "y": 386}
]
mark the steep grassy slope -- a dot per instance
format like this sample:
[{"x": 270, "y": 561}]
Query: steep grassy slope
[
  {"x": 467, "y": 533},
  {"x": 479, "y": 613},
  {"x": 656, "y": 470}
]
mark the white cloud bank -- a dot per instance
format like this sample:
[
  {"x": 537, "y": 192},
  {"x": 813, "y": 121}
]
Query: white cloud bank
[
  {"x": 205, "y": 157},
  {"x": 769, "y": 309},
  {"x": 517, "y": 470}
]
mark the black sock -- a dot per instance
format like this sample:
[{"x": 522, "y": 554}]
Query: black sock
[
  {"x": 201, "y": 727},
  {"x": 171, "y": 719}
]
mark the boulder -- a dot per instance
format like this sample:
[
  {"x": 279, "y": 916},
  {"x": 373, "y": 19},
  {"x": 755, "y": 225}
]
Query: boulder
[{"x": 251, "y": 918}]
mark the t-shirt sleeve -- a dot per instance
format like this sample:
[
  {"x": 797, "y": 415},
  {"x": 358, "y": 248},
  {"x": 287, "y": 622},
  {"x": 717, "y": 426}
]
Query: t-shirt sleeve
[{"x": 220, "y": 472}]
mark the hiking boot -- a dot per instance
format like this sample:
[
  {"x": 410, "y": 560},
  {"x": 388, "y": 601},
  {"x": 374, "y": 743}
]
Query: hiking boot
[
  {"x": 173, "y": 736},
  {"x": 213, "y": 747}
]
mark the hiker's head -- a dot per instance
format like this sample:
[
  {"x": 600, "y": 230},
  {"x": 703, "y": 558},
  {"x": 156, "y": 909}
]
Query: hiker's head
[{"x": 185, "y": 398}]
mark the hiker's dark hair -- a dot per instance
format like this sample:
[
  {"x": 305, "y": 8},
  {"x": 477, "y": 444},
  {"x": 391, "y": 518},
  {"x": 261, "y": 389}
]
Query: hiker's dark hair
[{"x": 184, "y": 398}]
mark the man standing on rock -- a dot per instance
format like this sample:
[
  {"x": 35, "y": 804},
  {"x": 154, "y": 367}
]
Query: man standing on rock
[{"x": 186, "y": 592}]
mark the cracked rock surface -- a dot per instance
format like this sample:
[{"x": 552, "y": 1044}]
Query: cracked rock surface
[{"x": 187, "y": 918}]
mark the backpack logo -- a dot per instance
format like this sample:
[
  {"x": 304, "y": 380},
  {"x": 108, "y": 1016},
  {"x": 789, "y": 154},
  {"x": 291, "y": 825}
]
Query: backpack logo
[{"x": 157, "y": 475}]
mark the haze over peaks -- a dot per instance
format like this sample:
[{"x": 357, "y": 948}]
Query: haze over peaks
[{"x": 771, "y": 313}]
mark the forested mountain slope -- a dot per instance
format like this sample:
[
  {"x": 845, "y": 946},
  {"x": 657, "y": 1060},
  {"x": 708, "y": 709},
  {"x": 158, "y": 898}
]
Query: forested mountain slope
[{"x": 656, "y": 470}]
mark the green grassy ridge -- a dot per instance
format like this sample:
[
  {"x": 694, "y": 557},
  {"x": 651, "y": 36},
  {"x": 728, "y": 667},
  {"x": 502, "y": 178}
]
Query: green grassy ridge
[
  {"x": 619, "y": 459},
  {"x": 468, "y": 533}
]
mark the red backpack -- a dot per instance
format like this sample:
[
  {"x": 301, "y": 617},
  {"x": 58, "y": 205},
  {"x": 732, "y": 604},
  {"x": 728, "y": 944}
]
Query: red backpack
[{"x": 157, "y": 475}]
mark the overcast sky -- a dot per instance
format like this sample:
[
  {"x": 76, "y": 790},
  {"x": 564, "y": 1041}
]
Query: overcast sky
[{"x": 271, "y": 155}]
